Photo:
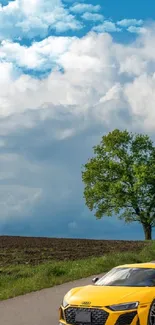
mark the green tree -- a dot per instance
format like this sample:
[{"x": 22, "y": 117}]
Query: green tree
[{"x": 120, "y": 179}]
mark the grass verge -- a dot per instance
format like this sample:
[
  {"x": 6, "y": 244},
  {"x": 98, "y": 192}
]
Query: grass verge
[{"x": 18, "y": 280}]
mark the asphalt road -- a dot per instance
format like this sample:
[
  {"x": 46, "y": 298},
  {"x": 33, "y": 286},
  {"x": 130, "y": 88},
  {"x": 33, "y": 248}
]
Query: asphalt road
[{"x": 37, "y": 308}]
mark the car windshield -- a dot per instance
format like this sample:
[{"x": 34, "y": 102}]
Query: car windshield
[{"x": 128, "y": 277}]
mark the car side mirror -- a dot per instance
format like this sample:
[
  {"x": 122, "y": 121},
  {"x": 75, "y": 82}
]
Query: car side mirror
[{"x": 95, "y": 280}]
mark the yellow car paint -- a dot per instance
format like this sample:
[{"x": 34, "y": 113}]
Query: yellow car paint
[{"x": 100, "y": 297}]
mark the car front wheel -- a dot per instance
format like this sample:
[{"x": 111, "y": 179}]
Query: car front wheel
[{"x": 151, "y": 317}]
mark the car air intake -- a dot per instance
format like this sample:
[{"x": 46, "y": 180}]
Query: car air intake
[
  {"x": 61, "y": 314},
  {"x": 126, "y": 319},
  {"x": 98, "y": 316}
]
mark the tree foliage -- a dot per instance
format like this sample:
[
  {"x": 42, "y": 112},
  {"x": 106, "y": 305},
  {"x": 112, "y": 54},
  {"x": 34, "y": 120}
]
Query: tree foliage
[{"x": 120, "y": 179}]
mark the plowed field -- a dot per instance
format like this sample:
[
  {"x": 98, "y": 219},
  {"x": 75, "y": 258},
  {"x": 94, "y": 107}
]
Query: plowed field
[{"x": 32, "y": 250}]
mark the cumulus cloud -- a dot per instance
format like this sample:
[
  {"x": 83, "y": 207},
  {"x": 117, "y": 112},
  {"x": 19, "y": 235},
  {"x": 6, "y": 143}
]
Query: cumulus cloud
[
  {"x": 79, "y": 8},
  {"x": 137, "y": 30},
  {"x": 132, "y": 25},
  {"x": 20, "y": 19},
  {"x": 142, "y": 105},
  {"x": 28, "y": 19},
  {"x": 92, "y": 16},
  {"x": 130, "y": 22},
  {"x": 107, "y": 26},
  {"x": 39, "y": 56},
  {"x": 88, "y": 76}
]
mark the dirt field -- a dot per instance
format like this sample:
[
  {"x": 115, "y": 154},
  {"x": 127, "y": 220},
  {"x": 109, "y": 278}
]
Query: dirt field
[{"x": 30, "y": 250}]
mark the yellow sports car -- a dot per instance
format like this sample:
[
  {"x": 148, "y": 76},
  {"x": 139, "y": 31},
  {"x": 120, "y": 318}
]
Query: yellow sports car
[{"x": 123, "y": 296}]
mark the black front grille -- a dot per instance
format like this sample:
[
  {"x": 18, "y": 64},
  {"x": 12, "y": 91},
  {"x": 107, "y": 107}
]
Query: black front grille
[
  {"x": 99, "y": 316},
  {"x": 126, "y": 319}
]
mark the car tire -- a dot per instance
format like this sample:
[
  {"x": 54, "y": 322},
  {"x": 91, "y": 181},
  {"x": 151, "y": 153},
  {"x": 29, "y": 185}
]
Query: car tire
[{"x": 151, "y": 316}]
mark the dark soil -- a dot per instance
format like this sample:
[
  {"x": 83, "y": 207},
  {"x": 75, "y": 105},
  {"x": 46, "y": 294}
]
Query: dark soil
[{"x": 35, "y": 250}]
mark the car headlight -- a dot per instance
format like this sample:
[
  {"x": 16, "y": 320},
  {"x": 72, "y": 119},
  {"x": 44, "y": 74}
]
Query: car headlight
[
  {"x": 126, "y": 306},
  {"x": 64, "y": 303}
]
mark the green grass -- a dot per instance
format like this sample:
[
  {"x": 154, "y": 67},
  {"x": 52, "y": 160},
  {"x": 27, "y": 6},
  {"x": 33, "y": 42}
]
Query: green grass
[{"x": 18, "y": 280}]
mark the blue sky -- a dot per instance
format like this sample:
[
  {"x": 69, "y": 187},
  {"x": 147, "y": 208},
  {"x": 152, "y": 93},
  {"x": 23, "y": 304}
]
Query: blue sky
[{"x": 69, "y": 73}]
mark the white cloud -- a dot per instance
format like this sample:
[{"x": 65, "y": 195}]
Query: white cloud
[
  {"x": 141, "y": 97},
  {"x": 29, "y": 19},
  {"x": 137, "y": 30},
  {"x": 96, "y": 73},
  {"x": 79, "y": 8},
  {"x": 39, "y": 56},
  {"x": 112, "y": 94},
  {"x": 92, "y": 16},
  {"x": 107, "y": 26},
  {"x": 68, "y": 24},
  {"x": 133, "y": 64},
  {"x": 130, "y": 22},
  {"x": 132, "y": 25}
]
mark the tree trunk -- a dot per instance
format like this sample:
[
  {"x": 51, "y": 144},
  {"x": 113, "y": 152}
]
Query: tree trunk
[{"x": 147, "y": 231}]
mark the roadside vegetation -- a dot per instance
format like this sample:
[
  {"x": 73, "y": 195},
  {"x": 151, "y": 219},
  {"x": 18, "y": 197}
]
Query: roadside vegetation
[{"x": 20, "y": 279}]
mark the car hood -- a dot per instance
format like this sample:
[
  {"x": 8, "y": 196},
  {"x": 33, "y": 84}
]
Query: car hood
[{"x": 105, "y": 295}]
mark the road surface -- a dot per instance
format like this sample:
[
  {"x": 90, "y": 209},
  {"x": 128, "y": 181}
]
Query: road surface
[{"x": 37, "y": 308}]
